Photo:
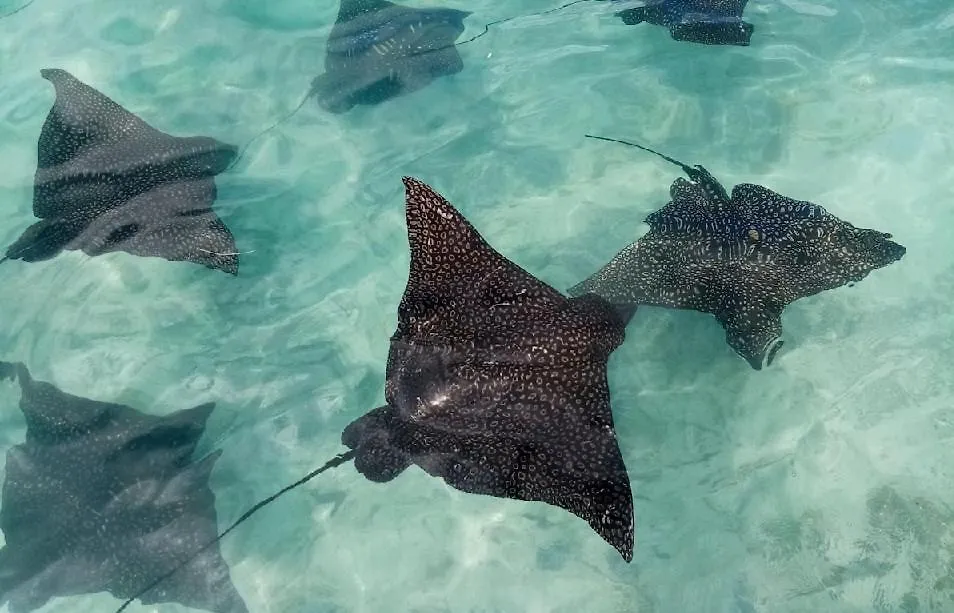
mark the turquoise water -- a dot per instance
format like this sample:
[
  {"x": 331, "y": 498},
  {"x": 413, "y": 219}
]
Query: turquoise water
[{"x": 823, "y": 483}]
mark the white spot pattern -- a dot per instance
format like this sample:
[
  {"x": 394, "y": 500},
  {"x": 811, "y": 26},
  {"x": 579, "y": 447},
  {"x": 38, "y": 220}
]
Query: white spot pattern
[
  {"x": 743, "y": 261},
  {"x": 107, "y": 181},
  {"x": 101, "y": 497},
  {"x": 378, "y": 50},
  {"x": 496, "y": 382}
]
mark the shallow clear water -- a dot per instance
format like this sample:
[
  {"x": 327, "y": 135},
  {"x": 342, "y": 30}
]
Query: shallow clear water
[{"x": 823, "y": 483}]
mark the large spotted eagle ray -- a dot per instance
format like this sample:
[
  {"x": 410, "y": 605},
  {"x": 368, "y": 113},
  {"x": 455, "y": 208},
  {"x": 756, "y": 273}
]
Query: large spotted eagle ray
[
  {"x": 107, "y": 181},
  {"x": 709, "y": 22},
  {"x": 495, "y": 382},
  {"x": 742, "y": 258},
  {"x": 101, "y": 497},
  {"x": 378, "y": 50}
]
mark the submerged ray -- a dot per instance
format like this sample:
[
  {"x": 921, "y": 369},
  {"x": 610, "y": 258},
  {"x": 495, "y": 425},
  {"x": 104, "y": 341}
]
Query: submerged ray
[
  {"x": 101, "y": 497},
  {"x": 378, "y": 50},
  {"x": 107, "y": 181},
  {"x": 709, "y": 22},
  {"x": 742, "y": 258}
]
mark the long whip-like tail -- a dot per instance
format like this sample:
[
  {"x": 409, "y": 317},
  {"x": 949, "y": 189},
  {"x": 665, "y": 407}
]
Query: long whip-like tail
[
  {"x": 685, "y": 167},
  {"x": 338, "y": 460},
  {"x": 697, "y": 173}
]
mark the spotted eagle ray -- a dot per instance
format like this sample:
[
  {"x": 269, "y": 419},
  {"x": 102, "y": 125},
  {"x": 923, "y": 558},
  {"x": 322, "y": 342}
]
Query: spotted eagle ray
[
  {"x": 101, "y": 497},
  {"x": 742, "y": 258},
  {"x": 378, "y": 50},
  {"x": 107, "y": 181},
  {"x": 710, "y": 22},
  {"x": 495, "y": 382}
]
